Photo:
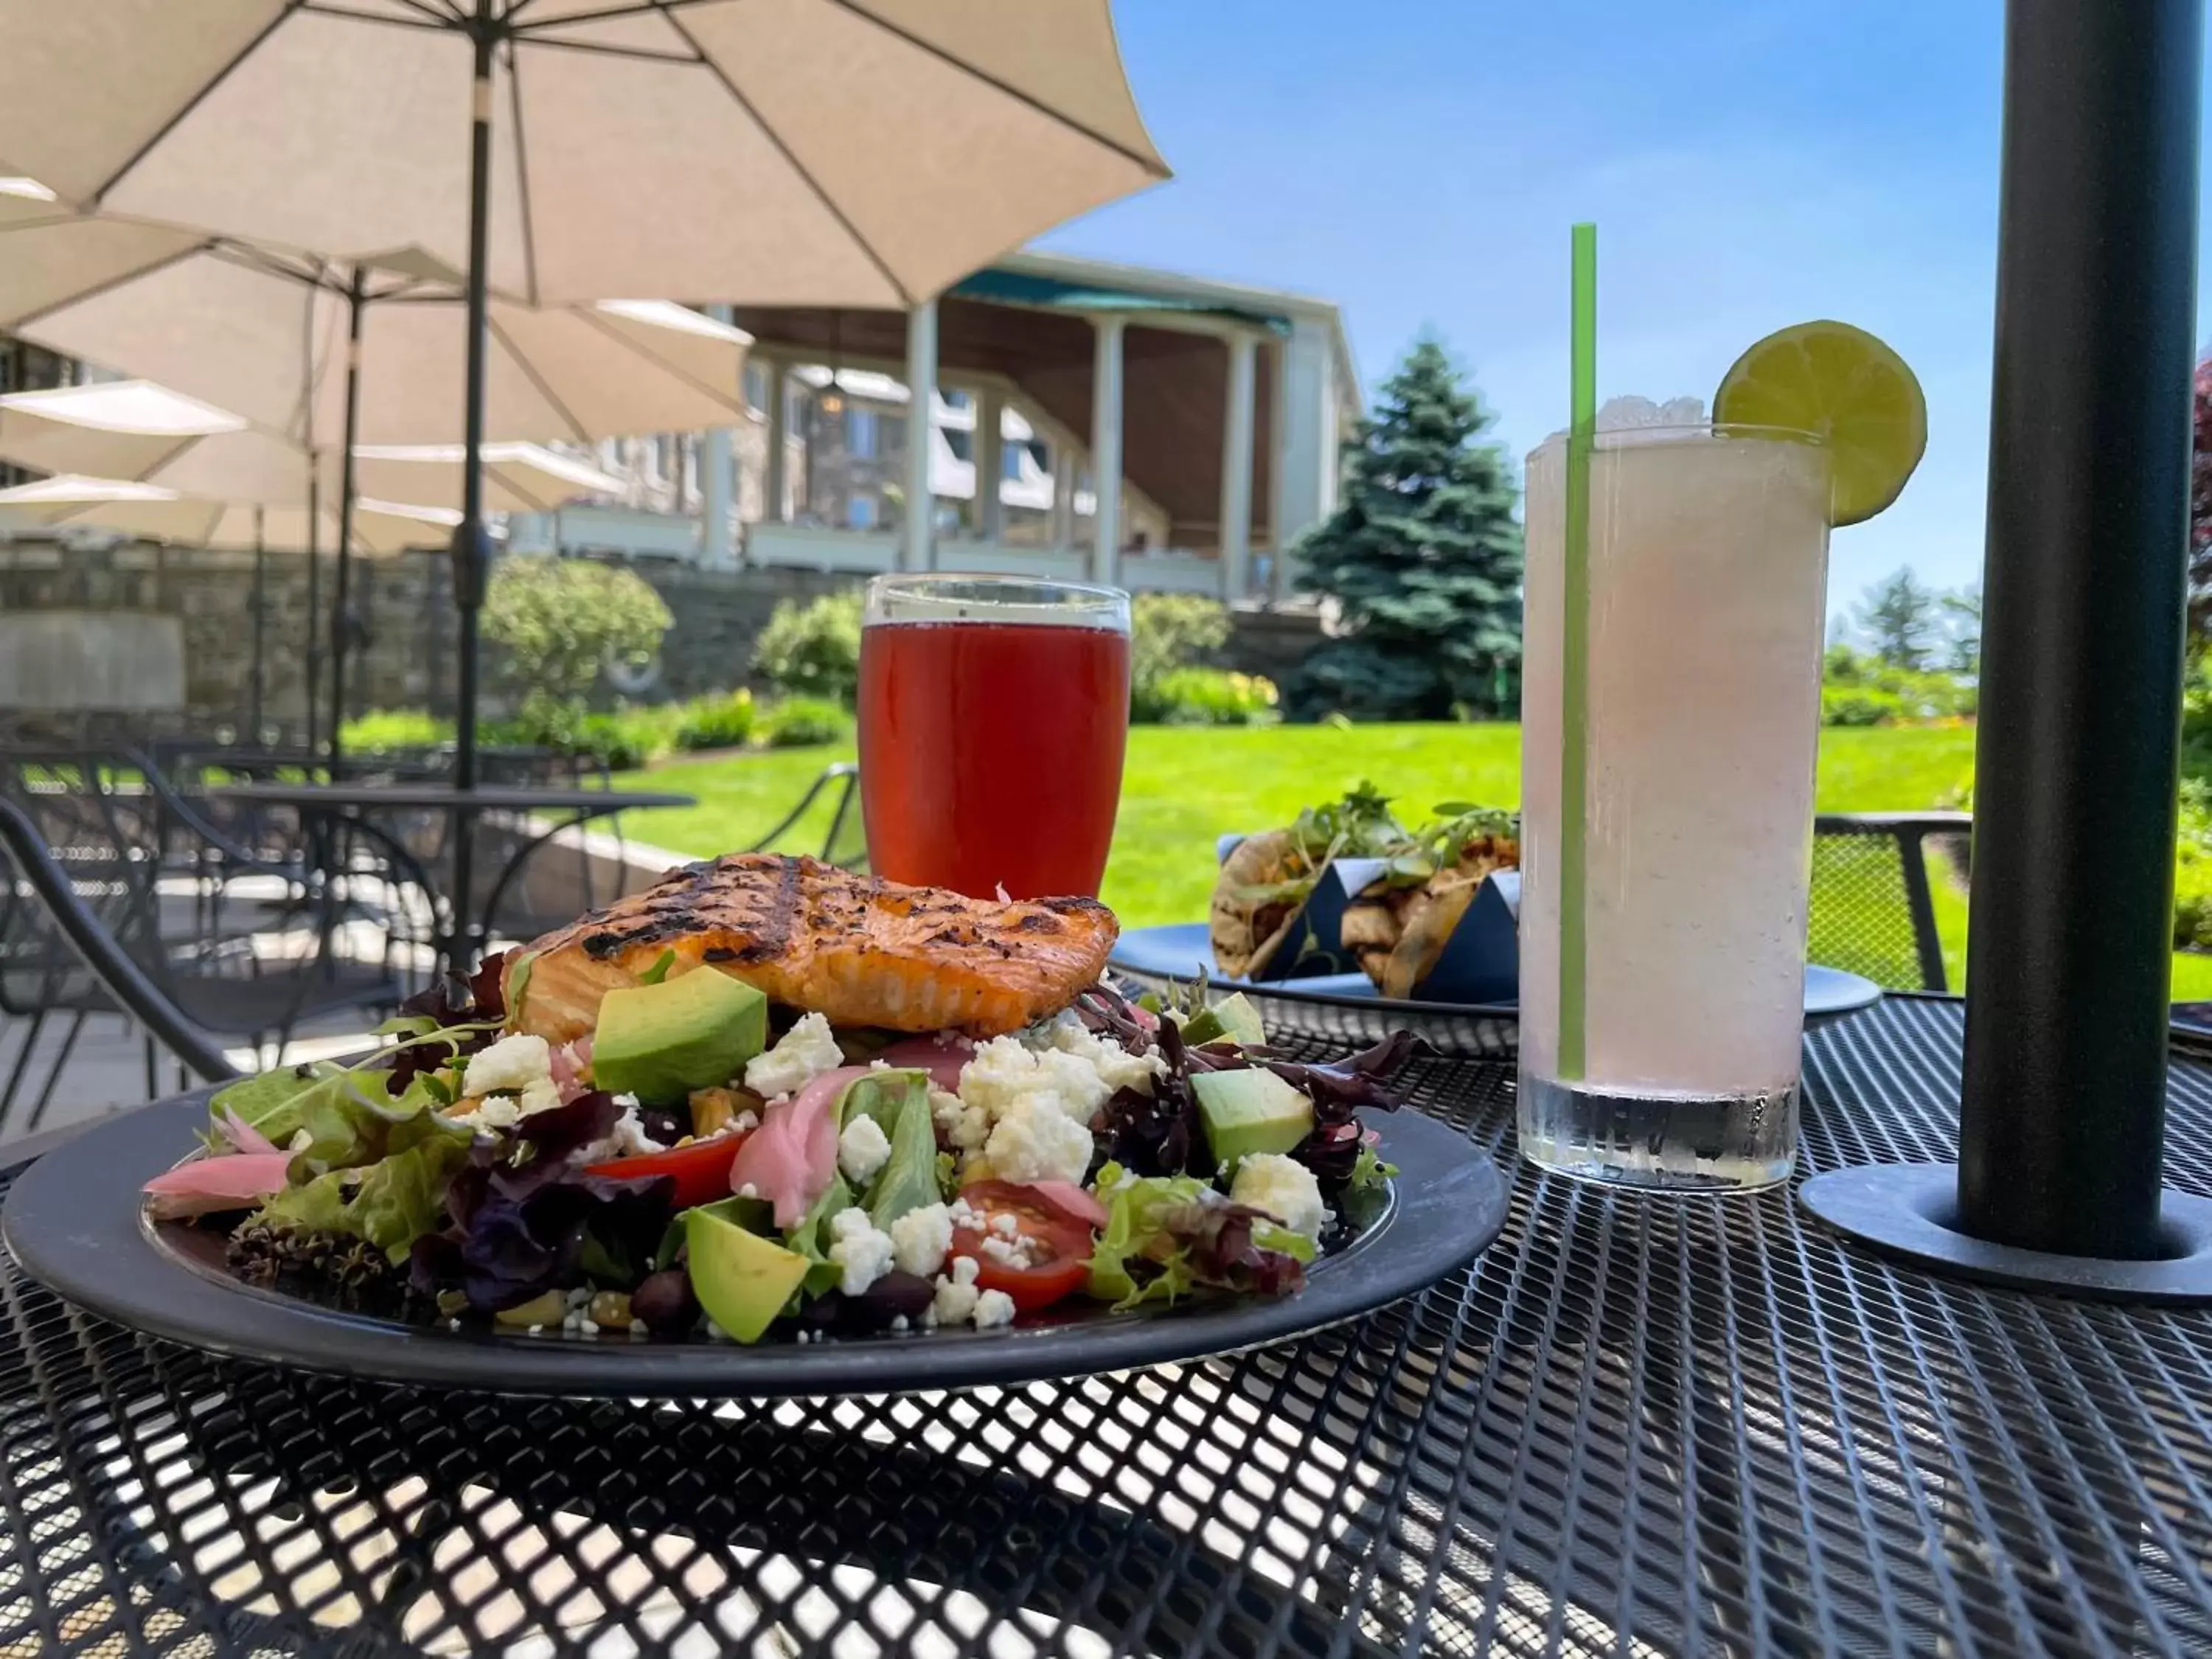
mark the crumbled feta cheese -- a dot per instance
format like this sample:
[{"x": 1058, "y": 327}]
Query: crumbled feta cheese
[
  {"x": 898, "y": 1322},
  {"x": 1034, "y": 1140},
  {"x": 749, "y": 1191},
  {"x": 1117, "y": 1067},
  {"x": 1005, "y": 1071},
  {"x": 1011, "y": 1252},
  {"x": 803, "y": 1053},
  {"x": 993, "y": 1307},
  {"x": 497, "y": 1113},
  {"x": 879, "y": 1065},
  {"x": 964, "y": 1214},
  {"x": 1005, "y": 1226},
  {"x": 541, "y": 1096},
  {"x": 743, "y": 1123},
  {"x": 920, "y": 1239},
  {"x": 864, "y": 1254},
  {"x": 954, "y": 1302},
  {"x": 1285, "y": 1188},
  {"x": 965, "y": 1127},
  {"x": 862, "y": 1150},
  {"x": 627, "y": 1138},
  {"x": 510, "y": 1066}
]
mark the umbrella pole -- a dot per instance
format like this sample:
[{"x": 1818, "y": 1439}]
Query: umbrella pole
[
  {"x": 314, "y": 602},
  {"x": 258, "y": 681},
  {"x": 468, "y": 536},
  {"x": 345, "y": 522}
]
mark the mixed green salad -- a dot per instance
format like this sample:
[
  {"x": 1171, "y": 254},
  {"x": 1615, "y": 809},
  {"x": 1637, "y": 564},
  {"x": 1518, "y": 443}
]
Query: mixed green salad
[{"x": 705, "y": 1166}]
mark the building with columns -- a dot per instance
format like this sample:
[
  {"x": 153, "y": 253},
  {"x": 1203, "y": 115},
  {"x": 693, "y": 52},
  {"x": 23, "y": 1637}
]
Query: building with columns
[{"x": 1157, "y": 431}]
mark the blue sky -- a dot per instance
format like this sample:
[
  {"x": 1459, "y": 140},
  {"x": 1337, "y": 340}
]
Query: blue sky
[{"x": 1748, "y": 165}]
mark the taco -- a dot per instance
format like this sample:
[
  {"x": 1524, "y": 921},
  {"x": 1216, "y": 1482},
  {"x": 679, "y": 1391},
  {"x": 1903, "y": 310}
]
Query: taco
[
  {"x": 1398, "y": 926},
  {"x": 1266, "y": 878}
]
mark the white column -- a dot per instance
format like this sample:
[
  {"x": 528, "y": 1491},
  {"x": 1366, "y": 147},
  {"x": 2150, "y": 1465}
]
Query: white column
[
  {"x": 922, "y": 389},
  {"x": 778, "y": 485},
  {"x": 1237, "y": 471},
  {"x": 989, "y": 451},
  {"x": 717, "y": 482},
  {"x": 1063, "y": 497},
  {"x": 1307, "y": 458},
  {"x": 1106, "y": 449}
]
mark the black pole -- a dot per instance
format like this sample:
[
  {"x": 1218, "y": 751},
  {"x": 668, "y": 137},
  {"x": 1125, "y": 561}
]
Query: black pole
[
  {"x": 338, "y": 619},
  {"x": 469, "y": 535},
  {"x": 2063, "y": 1109},
  {"x": 260, "y": 682},
  {"x": 314, "y": 598}
]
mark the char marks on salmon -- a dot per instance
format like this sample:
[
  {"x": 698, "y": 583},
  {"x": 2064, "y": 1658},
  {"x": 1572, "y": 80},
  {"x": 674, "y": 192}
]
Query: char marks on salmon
[{"x": 857, "y": 949}]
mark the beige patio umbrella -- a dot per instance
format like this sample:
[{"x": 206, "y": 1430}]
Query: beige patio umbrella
[
  {"x": 828, "y": 152},
  {"x": 137, "y": 430},
  {"x": 331, "y": 356},
  {"x": 159, "y": 513}
]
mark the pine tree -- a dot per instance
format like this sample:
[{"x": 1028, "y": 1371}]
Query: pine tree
[
  {"x": 1422, "y": 557},
  {"x": 1897, "y": 615}
]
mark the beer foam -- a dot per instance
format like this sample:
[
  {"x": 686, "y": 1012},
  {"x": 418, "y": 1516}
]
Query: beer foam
[{"x": 1023, "y": 604}]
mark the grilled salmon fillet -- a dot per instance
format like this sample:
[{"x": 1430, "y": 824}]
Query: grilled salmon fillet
[{"x": 856, "y": 949}]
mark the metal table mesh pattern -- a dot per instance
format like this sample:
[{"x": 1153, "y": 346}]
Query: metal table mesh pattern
[{"x": 1635, "y": 1426}]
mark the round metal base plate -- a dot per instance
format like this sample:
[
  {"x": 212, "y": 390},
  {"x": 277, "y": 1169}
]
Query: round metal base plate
[{"x": 1910, "y": 1209}]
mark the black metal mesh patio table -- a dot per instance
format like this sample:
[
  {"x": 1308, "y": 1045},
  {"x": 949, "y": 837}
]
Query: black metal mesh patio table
[{"x": 1637, "y": 1425}]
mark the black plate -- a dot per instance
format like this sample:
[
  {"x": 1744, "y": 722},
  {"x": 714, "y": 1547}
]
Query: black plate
[{"x": 75, "y": 1221}]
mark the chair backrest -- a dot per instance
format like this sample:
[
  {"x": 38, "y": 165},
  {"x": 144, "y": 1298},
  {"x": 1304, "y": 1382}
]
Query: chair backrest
[
  {"x": 1873, "y": 905},
  {"x": 42, "y": 881}
]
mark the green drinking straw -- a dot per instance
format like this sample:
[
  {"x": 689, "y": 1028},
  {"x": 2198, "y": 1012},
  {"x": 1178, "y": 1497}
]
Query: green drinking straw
[{"x": 1574, "y": 664}]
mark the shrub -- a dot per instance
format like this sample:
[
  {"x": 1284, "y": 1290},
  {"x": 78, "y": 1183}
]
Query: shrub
[
  {"x": 558, "y": 621},
  {"x": 725, "y": 721},
  {"x": 1214, "y": 696},
  {"x": 623, "y": 740},
  {"x": 798, "y": 722},
  {"x": 1856, "y": 705},
  {"x": 813, "y": 650},
  {"x": 1168, "y": 631},
  {"x": 382, "y": 730}
]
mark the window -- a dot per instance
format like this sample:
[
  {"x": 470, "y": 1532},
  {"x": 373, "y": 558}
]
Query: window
[
  {"x": 954, "y": 396},
  {"x": 1010, "y": 460},
  {"x": 860, "y": 512},
  {"x": 962, "y": 444},
  {"x": 894, "y": 432},
  {"x": 860, "y": 432},
  {"x": 757, "y": 389}
]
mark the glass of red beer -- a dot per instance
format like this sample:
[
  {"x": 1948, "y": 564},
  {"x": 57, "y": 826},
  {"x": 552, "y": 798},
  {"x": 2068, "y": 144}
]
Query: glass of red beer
[{"x": 994, "y": 713}]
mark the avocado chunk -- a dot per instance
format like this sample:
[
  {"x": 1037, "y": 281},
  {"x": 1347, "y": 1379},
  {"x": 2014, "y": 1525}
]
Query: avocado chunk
[
  {"x": 1232, "y": 1019},
  {"x": 1250, "y": 1112},
  {"x": 661, "y": 1041},
  {"x": 741, "y": 1280}
]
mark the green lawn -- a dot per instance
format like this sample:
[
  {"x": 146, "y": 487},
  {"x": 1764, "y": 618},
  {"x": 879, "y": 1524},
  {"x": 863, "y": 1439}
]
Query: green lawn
[{"x": 1183, "y": 788}]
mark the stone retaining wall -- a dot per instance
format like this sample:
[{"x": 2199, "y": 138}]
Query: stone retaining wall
[{"x": 405, "y": 607}]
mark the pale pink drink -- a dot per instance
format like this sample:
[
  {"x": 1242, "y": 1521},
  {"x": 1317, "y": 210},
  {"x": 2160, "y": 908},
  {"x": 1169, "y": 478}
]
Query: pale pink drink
[{"x": 1708, "y": 560}]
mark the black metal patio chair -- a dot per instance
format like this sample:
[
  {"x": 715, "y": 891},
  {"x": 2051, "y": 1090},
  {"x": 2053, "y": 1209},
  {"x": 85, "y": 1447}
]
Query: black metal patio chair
[
  {"x": 56, "y": 949},
  {"x": 1875, "y": 883}
]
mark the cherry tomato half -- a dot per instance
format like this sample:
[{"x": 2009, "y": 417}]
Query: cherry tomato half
[
  {"x": 1059, "y": 1246},
  {"x": 702, "y": 1170}
]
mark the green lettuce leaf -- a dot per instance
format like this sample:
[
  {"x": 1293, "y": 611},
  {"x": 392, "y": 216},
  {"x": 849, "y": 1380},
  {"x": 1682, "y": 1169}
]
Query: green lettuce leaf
[
  {"x": 391, "y": 1204},
  {"x": 811, "y": 1238},
  {"x": 1167, "y": 1235},
  {"x": 899, "y": 1103}
]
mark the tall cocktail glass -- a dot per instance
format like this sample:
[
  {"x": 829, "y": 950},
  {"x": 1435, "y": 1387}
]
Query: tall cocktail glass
[
  {"x": 994, "y": 711},
  {"x": 1670, "y": 1056}
]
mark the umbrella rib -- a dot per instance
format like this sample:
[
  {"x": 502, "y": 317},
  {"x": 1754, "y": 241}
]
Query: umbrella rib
[
  {"x": 530, "y": 370},
  {"x": 1150, "y": 164},
  {"x": 199, "y": 96},
  {"x": 442, "y": 22},
  {"x": 522, "y": 173},
  {"x": 568, "y": 19},
  {"x": 30, "y": 317},
  {"x": 768, "y": 130},
  {"x": 729, "y": 400}
]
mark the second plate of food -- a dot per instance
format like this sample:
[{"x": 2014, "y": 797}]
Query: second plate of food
[{"x": 1347, "y": 1006}]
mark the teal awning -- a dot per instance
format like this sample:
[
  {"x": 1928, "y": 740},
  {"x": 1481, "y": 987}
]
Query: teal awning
[{"x": 1021, "y": 288}]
